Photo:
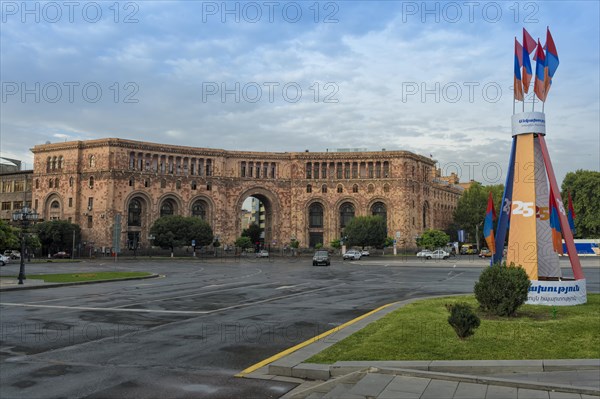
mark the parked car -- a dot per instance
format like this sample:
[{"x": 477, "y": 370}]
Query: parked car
[
  {"x": 321, "y": 257},
  {"x": 61, "y": 255},
  {"x": 4, "y": 260},
  {"x": 438, "y": 254},
  {"x": 352, "y": 254},
  {"x": 426, "y": 253},
  {"x": 12, "y": 253},
  {"x": 263, "y": 253},
  {"x": 364, "y": 252}
]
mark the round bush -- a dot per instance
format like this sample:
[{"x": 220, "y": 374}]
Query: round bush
[{"x": 502, "y": 289}]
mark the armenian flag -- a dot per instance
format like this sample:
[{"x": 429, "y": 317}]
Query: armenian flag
[
  {"x": 518, "y": 85},
  {"x": 551, "y": 61},
  {"x": 540, "y": 72},
  {"x": 488, "y": 226},
  {"x": 571, "y": 215},
  {"x": 528, "y": 47},
  {"x": 555, "y": 225}
]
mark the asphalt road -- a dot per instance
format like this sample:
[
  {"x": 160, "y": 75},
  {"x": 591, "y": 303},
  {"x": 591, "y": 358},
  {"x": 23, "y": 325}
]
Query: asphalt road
[{"x": 186, "y": 335}]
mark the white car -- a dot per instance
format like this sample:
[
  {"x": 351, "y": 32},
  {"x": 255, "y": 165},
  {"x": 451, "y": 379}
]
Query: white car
[
  {"x": 352, "y": 255},
  {"x": 364, "y": 252},
  {"x": 437, "y": 254},
  {"x": 263, "y": 253},
  {"x": 426, "y": 253},
  {"x": 4, "y": 260}
]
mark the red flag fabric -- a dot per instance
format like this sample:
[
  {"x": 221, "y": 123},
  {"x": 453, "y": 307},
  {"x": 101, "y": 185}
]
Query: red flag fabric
[
  {"x": 518, "y": 85},
  {"x": 528, "y": 47}
]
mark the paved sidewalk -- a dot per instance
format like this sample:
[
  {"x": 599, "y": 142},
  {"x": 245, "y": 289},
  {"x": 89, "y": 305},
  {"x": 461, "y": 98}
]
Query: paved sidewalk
[{"x": 474, "y": 379}]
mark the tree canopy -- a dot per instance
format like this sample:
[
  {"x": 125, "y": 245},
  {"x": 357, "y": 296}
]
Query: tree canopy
[
  {"x": 178, "y": 231},
  {"x": 254, "y": 232},
  {"x": 57, "y": 235},
  {"x": 8, "y": 236},
  {"x": 584, "y": 186},
  {"x": 432, "y": 239},
  {"x": 366, "y": 231},
  {"x": 471, "y": 206}
]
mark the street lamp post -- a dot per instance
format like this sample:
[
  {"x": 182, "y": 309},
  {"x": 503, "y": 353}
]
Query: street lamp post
[{"x": 24, "y": 217}]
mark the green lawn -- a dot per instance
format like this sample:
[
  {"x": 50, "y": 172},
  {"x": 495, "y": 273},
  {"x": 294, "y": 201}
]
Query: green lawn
[
  {"x": 420, "y": 331},
  {"x": 74, "y": 277}
]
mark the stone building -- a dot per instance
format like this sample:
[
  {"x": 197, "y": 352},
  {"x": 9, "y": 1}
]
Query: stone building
[
  {"x": 15, "y": 192},
  {"x": 110, "y": 185}
]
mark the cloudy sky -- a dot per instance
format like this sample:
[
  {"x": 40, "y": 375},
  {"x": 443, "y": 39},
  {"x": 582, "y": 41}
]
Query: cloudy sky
[{"x": 433, "y": 78}]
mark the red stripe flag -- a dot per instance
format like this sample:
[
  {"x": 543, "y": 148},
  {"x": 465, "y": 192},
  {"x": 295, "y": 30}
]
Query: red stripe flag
[
  {"x": 518, "y": 85},
  {"x": 528, "y": 47}
]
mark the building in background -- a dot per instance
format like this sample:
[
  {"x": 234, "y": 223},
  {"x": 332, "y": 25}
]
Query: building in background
[
  {"x": 122, "y": 185},
  {"x": 15, "y": 187}
]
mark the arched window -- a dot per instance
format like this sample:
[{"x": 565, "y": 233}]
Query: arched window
[
  {"x": 346, "y": 214},
  {"x": 71, "y": 181},
  {"x": 134, "y": 213},
  {"x": 178, "y": 184},
  {"x": 56, "y": 182},
  {"x": 131, "y": 182},
  {"x": 324, "y": 188},
  {"x": 379, "y": 209},
  {"x": 60, "y": 162},
  {"x": 315, "y": 215},
  {"x": 371, "y": 189},
  {"x": 194, "y": 185},
  {"x": 167, "y": 208},
  {"x": 48, "y": 164},
  {"x": 355, "y": 188},
  {"x": 163, "y": 183},
  {"x": 55, "y": 205},
  {"x": 37, "y": 183},
  {"x": 50, "y": 183},
  {"x": 309, "y": 188},
  {"x": 92, "y": 161},
  {"x": 386, "y": 188},
  {"x": 340, "y": 188},
  {"x": 199, "y": 210}
]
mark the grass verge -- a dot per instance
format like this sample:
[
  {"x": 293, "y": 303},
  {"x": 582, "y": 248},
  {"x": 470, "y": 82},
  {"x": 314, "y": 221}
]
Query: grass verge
[
  {"x": 75, "y": 277},
  {"x": 420, "y": 331}
]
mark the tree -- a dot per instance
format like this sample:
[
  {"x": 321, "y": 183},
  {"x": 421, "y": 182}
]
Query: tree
[
  {"x": 584, "y": 186},
  {"x": 177, "y": 231},
  {"x": 9, "y": 238},
  {"x": 57, "y": 235},
  {"x": 243, "y": 243},
  {"x": 335, "y": 244},
  {"x": 432, "y": 239},
  {"x": 366, "y": 231},
  {"x": 254, "y": 232},
  {"x": 471, "y": 206}
]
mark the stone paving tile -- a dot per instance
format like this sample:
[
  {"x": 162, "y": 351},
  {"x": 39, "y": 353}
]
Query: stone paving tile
[
  {"x": 498, "y": 392},
  {"x": 532, "y": 394},
  {"x": 440, "y": 389},
  {"x": 407, "y": 384},
  {"x": 338, "y": 391},
  {"x": 468, "y": 390},
  {"x": 371, "y": 385},
  {"x": 564, "y": 395}
]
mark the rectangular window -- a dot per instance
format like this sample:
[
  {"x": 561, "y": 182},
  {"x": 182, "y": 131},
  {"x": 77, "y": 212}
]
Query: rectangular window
[
  {"x": 70, "y": 202},
  {"x": 90, "y": 222},
  {"x": 19, "y": 186},
  {"x": 17, "y": 204},
  {"x": 6, "y": 206},
  {"x": 7, "y": 187},
  {"x": 90, "y": 203}
]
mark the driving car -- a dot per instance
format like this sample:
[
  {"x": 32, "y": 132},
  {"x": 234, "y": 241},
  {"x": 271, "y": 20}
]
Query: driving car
[
  {"x": 12, "y": 254},
  {"x": 4, "y": 260},
  {"x": 321, "y": 257},
  {"x": 263, "y": 253},
  {"x": 485, "y": 253},
  {"x": 352, "y": 254},
  {"x": 364, "y": 252},
  {"x": 438, "y": 254},
  {"x": 424, "y": 253},
  {"x": 61, "y": 255}
]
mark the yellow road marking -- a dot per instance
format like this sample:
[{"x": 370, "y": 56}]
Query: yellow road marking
[{"x": 308, "y": 342}]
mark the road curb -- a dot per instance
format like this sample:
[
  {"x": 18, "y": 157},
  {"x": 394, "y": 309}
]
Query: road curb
[{"x": 55, "y": 285}]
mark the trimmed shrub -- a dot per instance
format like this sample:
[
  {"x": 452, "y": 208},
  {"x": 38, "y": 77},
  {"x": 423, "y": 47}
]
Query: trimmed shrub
[
  {"x": 463, "y": 320},
  {"x": 502, "y": 289}
]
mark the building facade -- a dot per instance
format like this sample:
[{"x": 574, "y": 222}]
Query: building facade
[
  {"x": 15, "y": 192},
  {"x": 123, "y": 186}
]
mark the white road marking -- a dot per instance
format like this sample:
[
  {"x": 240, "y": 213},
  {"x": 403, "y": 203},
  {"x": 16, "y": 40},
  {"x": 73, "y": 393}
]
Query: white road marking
[
  {"x": 199, "y": 312},
  {"x": 290, "y": 286}
]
